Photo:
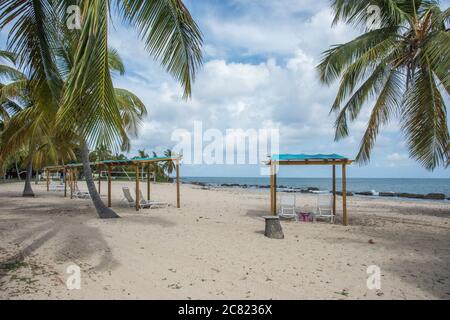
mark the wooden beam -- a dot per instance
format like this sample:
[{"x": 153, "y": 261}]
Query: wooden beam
[
  {"x": 344, "y": 196},
  {"x": 334, "y": 189},
  {"x": 137, "y": 187},
  {"x": 109, "y": 186},
  {"x": 177, "y": 167},
  {"x": 311, "y": 163}
]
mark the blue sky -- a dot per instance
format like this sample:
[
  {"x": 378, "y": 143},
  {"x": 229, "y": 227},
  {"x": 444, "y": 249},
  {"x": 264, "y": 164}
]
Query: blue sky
[{"x": 258, "y": 72}]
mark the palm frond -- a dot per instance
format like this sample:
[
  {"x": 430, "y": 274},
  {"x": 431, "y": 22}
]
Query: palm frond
[
  {"x": 386, "y": 106},
  {"x": 425, "y": 124},
  {"x": 170, "y": 35}
]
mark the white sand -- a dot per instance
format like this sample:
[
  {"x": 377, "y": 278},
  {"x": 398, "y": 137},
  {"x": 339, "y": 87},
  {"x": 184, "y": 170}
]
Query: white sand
[{"x": 214, "y": 248}]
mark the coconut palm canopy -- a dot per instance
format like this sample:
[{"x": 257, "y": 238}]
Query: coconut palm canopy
[
  {"x": 40, "y": 38},
  {"x": 69, "y": 71},
  {"x": 401, "y": 66}
]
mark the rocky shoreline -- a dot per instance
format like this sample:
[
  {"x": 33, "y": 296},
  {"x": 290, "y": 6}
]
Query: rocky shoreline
[{"x": 400, "y": 195}]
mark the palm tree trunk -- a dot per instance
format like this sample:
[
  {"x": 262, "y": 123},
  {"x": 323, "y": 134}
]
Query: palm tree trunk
[
  {"x": 27, "y": 190},
  {"x": 103, "y": 211}
]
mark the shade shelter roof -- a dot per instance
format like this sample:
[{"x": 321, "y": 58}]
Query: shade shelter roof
[
  {"x": 302, "y": 159},
  {"x": 308, "y": 159}
]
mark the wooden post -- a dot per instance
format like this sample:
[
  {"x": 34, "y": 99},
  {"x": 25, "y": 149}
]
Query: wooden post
[
  {"x": 148, "y": 182},
  {"x": 75, "y": 178},
  {"x": 178, "y": 183},
  {"x": 271, "y": 190},
  {"x": 109, "y": 186},
  {"x": 99, "y": 180},
  {"x": 137, "y": 186},
  {"x": 275, "y": 190},
  {"x": 334, "y": 189},
  {"x": 71, "y": 183},
  {"x": 344, "y": 196},
  {"x": 65, "y": 182},
  {"x": 48, "y": 180}
]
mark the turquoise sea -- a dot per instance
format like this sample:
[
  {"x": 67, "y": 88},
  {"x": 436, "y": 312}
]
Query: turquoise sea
[{"x": 395, "y": 185}]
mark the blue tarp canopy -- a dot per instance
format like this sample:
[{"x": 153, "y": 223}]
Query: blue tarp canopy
[{"x": 306, "y": 157}]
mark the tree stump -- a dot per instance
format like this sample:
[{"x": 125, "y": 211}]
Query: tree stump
[{"x": 273, "y": 227}]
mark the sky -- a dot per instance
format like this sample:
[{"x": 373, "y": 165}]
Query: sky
[{"x": 258, "y": 72}]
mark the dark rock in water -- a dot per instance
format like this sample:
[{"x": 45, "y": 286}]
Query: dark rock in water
[
  {"x": 230, "y": 185},
  {"x": 304, "y": 191},
  {"x": 411, "y": 196},
  {"x": 349, "y": 194},
  {"x": 264, "y": 187},
  {"x": 435, "y": 196},
  {"x": 313, "y": 189},
  {"x": 201, "y": 184},
  {"x": 365, "y": 193},
  {"x": 387, "y": 194}
]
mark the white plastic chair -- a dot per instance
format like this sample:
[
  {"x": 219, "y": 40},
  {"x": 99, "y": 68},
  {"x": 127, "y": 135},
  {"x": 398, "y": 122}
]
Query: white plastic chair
[
  {"x": 287, "y": 206},
  {"x": 324, "y": 207}
]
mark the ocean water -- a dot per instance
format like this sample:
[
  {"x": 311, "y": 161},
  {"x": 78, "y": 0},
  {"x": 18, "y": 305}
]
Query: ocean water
[{"x": 421, "y": 186}]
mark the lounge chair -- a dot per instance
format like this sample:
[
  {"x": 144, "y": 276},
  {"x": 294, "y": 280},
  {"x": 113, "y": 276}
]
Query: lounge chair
[
  {"x": 324, "y": 207},
  {"x": 153, "y": 204},
  {"x": 129, "y": 201},
  {"x": 81, "y": 194},
  {"x": 56, "y": 187},
  {"x": 287, "y": 206}
]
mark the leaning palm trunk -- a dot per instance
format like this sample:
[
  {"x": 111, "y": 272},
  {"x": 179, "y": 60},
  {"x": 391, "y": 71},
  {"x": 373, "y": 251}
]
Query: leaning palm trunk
[
  {"x": 27, "y": 190},
  {"x": 103, "y": 211}
]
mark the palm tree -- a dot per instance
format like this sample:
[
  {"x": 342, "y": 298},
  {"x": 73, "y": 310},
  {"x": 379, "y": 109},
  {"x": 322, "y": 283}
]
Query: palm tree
[
  {"x": 168, "y": 166},
  {"x": 403, "y": 66},
  {"x": 85, "y": 102},
  {"x": 8, "y": 107},
  {"x": 101, "y": 153}
]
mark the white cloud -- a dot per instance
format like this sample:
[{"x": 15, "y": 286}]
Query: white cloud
[
  {"x": 397, "y": 157},
  {"x": 259, "y": 72}
]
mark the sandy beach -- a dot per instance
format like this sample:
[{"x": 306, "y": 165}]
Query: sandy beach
[{"x": 214, "y": 248}]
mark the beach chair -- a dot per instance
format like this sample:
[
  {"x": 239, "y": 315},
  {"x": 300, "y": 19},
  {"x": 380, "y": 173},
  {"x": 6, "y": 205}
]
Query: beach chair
[
  {"x": 81, "y": 194},
  {"x": 153, "y": 204},
  {"x": 129, "y": 201},
  {"x": 324, "y": 207},
  {"x": 287, "y": 206},
  {"x": 56, "y": 187}
]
